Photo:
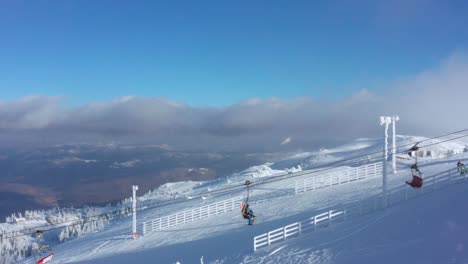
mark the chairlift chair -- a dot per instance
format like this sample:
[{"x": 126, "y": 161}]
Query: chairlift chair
[
  {"x": 417, "y": 180},
  {"x": 245, "y": 205},
  {"x": 43, "y": 254}
]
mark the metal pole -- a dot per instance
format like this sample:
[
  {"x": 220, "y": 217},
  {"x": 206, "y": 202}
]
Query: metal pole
[
  {"x": 394, "y": 120},
  {"x": 384, "y": 179},
  {"x": 134, "y": 189},
  {"x": 386, "y": 140},
  {"x": 385, "y": 120}
]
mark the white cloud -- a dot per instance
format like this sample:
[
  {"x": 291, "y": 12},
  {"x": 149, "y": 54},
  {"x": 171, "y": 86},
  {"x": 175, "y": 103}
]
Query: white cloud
[
  {"x": 286, "y": 141},
  {"x": 434, "y": 101},
  {"x": 31, "y": 112}
]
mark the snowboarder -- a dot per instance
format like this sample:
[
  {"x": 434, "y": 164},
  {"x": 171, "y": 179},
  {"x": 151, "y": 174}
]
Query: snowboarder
[
  {"x": 461, "y": 168},
  {"x": 248, "y": 213}
]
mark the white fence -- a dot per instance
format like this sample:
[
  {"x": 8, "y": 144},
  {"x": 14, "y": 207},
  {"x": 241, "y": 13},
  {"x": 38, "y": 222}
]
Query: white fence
[
  {"x": 431, "y": 183},
  {"x": 298, "y": 228},
  {"x": 345, "y": 175},
  {"x": 365, "y": 206},
  {"x": 191, "y": 215}
]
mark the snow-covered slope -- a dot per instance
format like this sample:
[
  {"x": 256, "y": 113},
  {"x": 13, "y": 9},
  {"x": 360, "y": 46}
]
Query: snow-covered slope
[{"x": 431, "y": 228}]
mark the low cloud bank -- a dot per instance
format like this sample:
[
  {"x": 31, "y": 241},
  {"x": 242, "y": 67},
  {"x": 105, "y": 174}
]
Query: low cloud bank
[{"x": 430, "y": 103}]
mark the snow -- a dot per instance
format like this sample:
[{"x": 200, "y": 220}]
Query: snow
[
  {"x": 125, "y": 164},
  {"x": 66, "y": 160},
  {"x": 428, "y": 228}
]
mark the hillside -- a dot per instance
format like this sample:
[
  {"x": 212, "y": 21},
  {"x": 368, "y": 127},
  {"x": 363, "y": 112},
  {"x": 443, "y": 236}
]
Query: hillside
[{"x": 428, "y": 220}]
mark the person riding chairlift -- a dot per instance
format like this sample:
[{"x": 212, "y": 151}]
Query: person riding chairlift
[
  {"x": 248, "y": 214},
  {"x": 461, "y": 168},
  {"x": 417, "y": 180}
]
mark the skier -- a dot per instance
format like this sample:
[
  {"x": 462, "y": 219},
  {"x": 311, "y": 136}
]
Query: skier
[
  {"x": 461, "y": 168},
  {"x": 248, "y": 214}
]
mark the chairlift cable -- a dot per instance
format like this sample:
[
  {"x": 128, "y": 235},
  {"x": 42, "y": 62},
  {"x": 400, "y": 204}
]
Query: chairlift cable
[{"x": 222, "y": 191}]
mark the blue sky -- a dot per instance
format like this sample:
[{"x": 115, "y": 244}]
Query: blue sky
[{"x": 217, "y": 53}]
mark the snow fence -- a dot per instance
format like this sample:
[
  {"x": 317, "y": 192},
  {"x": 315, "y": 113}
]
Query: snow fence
[
  {"x": 365, "y": 206},
  {"x": 192, "y": 215},
  {"x": 296, "y": 229},
  {"x": 345, "y": 175}
]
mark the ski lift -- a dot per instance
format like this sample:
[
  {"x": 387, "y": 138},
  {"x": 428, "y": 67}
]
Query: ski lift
[
  {"x": 461, "y": 168},
  {"x": 43, "y": 254},
  {"x": 417, "y": 180},
  {"x": 245, "y": 205},
  {"x": 247, "y": 183},
  {"x": 247, "y": 213}
]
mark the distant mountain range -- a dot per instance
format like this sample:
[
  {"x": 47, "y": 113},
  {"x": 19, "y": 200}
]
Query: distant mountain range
[{"x": 76, "y": 175}]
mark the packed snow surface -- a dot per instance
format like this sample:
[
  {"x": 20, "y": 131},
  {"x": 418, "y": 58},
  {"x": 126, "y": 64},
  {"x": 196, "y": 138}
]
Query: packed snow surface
[{"x": 431, "y": 227}]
